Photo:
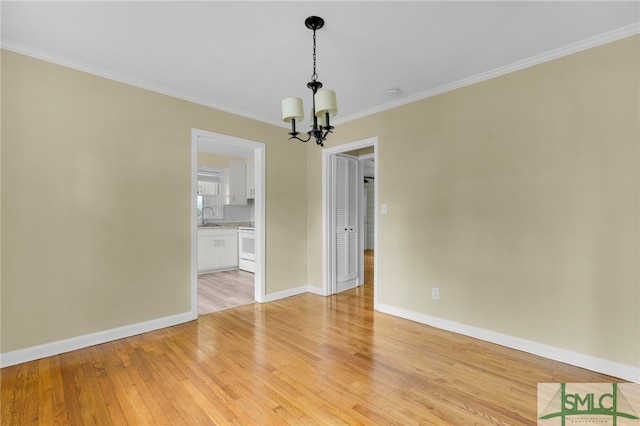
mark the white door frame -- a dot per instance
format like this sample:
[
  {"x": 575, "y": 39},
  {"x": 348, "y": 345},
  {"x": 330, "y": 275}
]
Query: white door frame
[
  {"x": 328, "y": 254},
  {"x": 259, "y": 204},
  {"x": 364, "y": 236}
]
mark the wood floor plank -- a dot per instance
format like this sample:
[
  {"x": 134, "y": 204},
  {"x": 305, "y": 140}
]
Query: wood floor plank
[
  {"x": 45, "y": 393},
  {"x": 222, "y": 290},
  {"x": 301, "y": 360}
]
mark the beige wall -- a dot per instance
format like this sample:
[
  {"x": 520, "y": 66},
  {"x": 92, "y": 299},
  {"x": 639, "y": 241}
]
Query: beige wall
[
  {"x": 0, "y": 204},
  {"x": 212, "y": 160},
  {"x": 96, "y": 202},
  {"x": 519, "y": 198},
  {"x": 208, "y": 159}
]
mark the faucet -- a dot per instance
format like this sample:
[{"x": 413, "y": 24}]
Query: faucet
[{"x": 203, "y": 209}]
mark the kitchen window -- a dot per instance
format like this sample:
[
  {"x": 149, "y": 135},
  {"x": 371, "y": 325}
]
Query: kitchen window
[{"x": 209, "y": 197}]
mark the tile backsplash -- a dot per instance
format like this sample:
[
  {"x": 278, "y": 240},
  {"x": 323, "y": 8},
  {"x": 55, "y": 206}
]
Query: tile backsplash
[{"x": 236, "y": 214}]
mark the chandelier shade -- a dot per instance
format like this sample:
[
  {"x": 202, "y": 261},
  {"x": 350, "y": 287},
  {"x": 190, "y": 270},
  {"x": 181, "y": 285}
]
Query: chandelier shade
[
  {"x": 324, "y": 103},
  {"x": 292, "y": 110}
]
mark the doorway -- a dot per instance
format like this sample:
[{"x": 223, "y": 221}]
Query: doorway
[
  {"x": 229, "y": 146},
  {"x": 365, "y": 149}
]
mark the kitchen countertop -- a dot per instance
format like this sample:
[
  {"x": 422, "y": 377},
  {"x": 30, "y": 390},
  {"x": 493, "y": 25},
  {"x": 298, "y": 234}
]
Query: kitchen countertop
[{"x": 226, "y": 225}]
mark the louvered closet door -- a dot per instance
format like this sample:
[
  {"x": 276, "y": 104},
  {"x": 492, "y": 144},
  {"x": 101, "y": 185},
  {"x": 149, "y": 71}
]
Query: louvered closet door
[{"x": 346, "y": 202}]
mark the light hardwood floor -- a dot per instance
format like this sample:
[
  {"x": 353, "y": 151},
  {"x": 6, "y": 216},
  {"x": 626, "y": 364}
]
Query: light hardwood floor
[
  {"x": 223, "y": 290},
  {"x": 302, "y": 360}
]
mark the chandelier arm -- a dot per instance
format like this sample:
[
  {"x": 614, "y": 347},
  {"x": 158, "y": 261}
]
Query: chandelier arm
[
  {"x": 301, "y": 140},
  {"x": 313, "y": 111},
  {"x": 328, "y": 127}
]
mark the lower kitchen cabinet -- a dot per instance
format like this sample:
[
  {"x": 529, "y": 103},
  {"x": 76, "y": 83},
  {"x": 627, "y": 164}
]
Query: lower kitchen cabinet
[{"x": 217, "y": 249}]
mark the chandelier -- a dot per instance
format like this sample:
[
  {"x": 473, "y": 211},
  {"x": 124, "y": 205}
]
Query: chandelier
[{"x": 324, "y": 103}]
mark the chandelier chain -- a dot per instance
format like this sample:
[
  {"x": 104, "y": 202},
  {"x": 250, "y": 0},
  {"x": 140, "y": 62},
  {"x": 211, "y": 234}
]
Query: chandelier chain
[{"x": 314, "y": 76}]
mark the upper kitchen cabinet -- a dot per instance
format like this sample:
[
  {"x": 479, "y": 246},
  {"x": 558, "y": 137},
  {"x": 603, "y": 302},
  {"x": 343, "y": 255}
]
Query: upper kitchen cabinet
[
  {"x": 237, "y": 194},
  {"x": 251, "y": 178}
]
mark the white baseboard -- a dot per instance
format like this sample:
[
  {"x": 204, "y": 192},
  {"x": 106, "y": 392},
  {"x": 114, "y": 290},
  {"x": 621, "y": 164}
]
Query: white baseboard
[
  {"x": 316, "y": 290},
  {"x": 286, "y": 293},
  {"x": 599, "y": 365},
  {"x": 55, "y": 348}
]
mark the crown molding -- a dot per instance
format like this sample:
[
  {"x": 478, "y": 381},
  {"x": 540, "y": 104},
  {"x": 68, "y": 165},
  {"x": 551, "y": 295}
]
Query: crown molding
[
  {"x": 608, "y": 37},
  {"x": 131, "y": 81}
]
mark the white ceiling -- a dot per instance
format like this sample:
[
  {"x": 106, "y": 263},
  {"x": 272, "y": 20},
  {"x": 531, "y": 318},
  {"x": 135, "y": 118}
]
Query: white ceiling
[{"x": 244, "y": 57}]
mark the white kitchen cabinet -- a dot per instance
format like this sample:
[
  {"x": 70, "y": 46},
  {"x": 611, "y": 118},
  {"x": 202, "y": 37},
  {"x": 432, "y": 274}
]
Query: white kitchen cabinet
[
  {"x": 251, "y": 178},
  {"x": 217, "y": 249},
  {"x": 237, "y": 183}
]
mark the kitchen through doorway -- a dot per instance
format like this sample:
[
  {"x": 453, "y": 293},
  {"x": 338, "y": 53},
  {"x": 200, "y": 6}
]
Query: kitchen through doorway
[{"x": 228, "y": 222}]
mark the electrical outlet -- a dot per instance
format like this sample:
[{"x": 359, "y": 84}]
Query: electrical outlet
[{"x": 435, "y": 293}]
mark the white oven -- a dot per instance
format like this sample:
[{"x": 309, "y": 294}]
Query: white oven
[{"x": 246, "y": 249}]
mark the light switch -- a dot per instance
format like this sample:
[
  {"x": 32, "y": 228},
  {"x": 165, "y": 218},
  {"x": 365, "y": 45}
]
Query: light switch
[
  {"x": 383, "y": 209},
  {"x": 435, "y": 293}
]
